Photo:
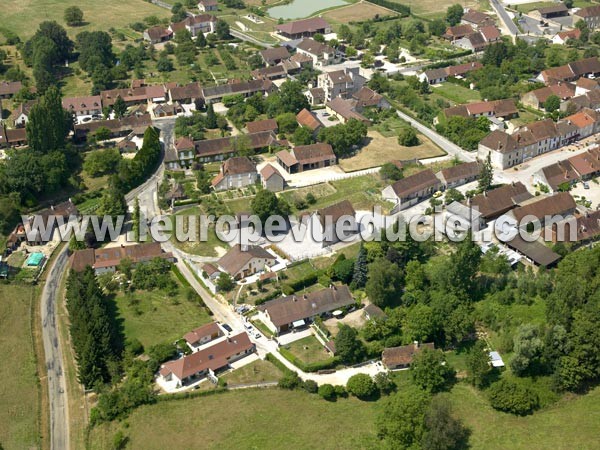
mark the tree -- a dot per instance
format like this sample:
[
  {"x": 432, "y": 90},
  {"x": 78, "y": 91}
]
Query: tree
[
  {"x": 136, "y": 218},
  {"x": 361, "y": 386},
  {"x": 509, "y": 396},
  {"x": 384, "y": 382},
  {"x": 552, "y": 103},
  {"x": 401, "y": 422},
  {"x": 348, "y": 346},
  {"x": 478, "y": 365},
  {"x": 48, "y": 124},
  {"x": 454, "y": 14},
  {"x": 102, "y": 134},
  {"x": 102, "y": 162},
  {"x": 442, "y": 430},
  {"x": 568, "y": 3},
  {"x": 430, "y": 370},
  {"x": 289, "y": 380},
  {"x": 486, "y": 176},
  {"x": 408, "y": 137},
  {"x": 437, "y": 27},
  {"x": 290, "y": 98},
  {"x": 73, "y": 16},
  {"x": 384, "y": 281},
  {"x": 200, "y": 40},
  {"x": 266, "y": 204},
  {"x": 528, "y": 348},
  {"x": 222, "y": 30},
  {"x": 112, "y": 203},
  {"x": 119, "y": 107},
  {"x": 453, "y": 195},
  {"x": 225, "y": 283},
  {"x": 302, "y": 136},
  {"x": 391, "y": 172},
  {"x": 327, "y": 391},
  {"x": 360, "y": 275},
  {"x": 287, "y": 123},
  {"x": 164, "y": 64},
  {"x": 54, "y": 32},
  {"x": 211, "y": 117},
  {"x": 344, "y": 137}
]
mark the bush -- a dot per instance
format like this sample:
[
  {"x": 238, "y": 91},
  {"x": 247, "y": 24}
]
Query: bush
[
  {"x": 135, "y": 346},
  {"x": 361, "y": 386},
  {"x": 289, "y": 380},
  {"x": 311, "y": 386},
  {"x": 508, "y": 396},
  {"x": 340, "y": 391},
  {"x": 327, "y": 391}
]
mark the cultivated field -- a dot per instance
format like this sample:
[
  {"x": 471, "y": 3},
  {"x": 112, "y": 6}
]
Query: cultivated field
[
  {"x": 384, "y": 149},
  {"x": 357, "y": 12},
  {"x": 20, "y": 389},
  {"x": 436, "y": 7},
  {"x": 263, "y": 418},
  {"x": 23, "y": 16}
]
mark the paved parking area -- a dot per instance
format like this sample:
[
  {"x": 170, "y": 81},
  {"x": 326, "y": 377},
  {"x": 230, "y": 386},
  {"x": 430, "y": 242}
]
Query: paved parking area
[{"x": 592, "y": 194}]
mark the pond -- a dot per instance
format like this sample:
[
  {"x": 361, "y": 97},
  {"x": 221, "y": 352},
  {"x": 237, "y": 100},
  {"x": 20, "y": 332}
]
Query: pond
[{"x": 298, "y": 9}]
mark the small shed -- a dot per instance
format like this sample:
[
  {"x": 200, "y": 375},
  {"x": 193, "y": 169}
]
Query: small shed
[{"x": 496, "y": 359}]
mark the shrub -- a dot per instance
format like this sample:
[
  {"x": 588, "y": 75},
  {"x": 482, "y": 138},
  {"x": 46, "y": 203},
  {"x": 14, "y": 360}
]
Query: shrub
[
  {"x": 361, "y": 385},
  {"x": 289, "y": 380},
  {"x": 311, "y": 386},
  {"x": 508, "y": 396},
  {"x": 340, "y": 391},
  {"x": 327, "y": 391}
]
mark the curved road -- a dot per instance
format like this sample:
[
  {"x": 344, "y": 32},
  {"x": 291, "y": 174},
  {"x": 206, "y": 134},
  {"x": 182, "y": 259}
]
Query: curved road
[{"x": 57, "y": 389}]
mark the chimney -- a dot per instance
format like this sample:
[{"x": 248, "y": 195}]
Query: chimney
[
  {"x": 294, "y": 299},
  {"x": 305, "y": 297},
  {"x": 416, "y": 345}
]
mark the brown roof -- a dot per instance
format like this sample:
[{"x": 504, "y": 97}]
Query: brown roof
[
  {"x": 187, "y": 92},
  {"x": 83, "y": 258},
  {"x": 590, "y": 11},
  {"x": 10, "y": 87},
  {"x": 374, "y": 311},
  {"x": 558, "y": 204},
  {"x": 129, "y": 123},
  {"x": 476, "y": 17},
  {"x": 108, "y": 257},
  {"x": 82, "y": 103},
  {"x": 403, "y": 356},
  {"x": 415, "y": 183},
  {"x": 497, "y": 201},
  {"x": 238, "y": 165},
  {"x": 564, "y": 91},
  {"x": 477, "y": 40},
  {"x": 268, "y": 171},
  {"x": 367, "y": 97},
  {"x": 458, "y": 31},
  {"x": 462, "y": 69},
  {"x": 220, "y": 146},
  {"x": 262, "y": 125},
  {"x": 275, "y": 53},
  {"x": 490, "y": 33},
  {"x": 307, "y": 119},
  {"x": 583, "y": 118},
  {"x": 588, "y": 227},
  {"x": 336, "y": 212},
  {"x": 305, "y": 154},
  {"x": 346, "y": 109},
  {"x": 559, "y": 7},
  {"x": 209, "y": 268},
  {"x": 499, "y": 141},
  {"x": 157, "y": 33},
  {"x": 286, "y": 310},
  {"x": 313, "y": 47},
  {"x": 214, "y": 357},
  {"x": 196, "y": 335},
  {"x": 571, "y": 34},
  {"x": 461, "y": 171},
  {"x": 560, "y": 172},
  {"x": 235, "y": 259},
  {"x": 303, "y": 26},
  {"x": 586, "y": 163}
]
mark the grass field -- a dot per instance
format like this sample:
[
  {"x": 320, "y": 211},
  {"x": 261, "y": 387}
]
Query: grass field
[
  {"x": 212, "y": 247},
  {"x": 357, "y": 12},
  {"x": 429, "y": 8},
  {"x": 265, "y": 419},
  {"x": 384, "y": 149},
  {"x": 259, "y": 371},
  {"x": 23, "y": 17},
  {"x": 155, "y": 317},
  {"x": 456, "y": 93},
  {"x": 308, "y": 349},
  {"x": 528, "y": 7},
  {"x": 20, "y": 391}
]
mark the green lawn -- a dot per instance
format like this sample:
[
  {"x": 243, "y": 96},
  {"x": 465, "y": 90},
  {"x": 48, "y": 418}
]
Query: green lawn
[
  {"x": 455, "y": 93},
  {"x": 308, "y": 350},
  {"x": 259, "y": 371},
  {"x": 155, "y": 317},
  {"x": 19, "y": 395},
  {"x": 23, "y": 17},
  {"x": 528, "y": 7},
  {"x": 197, "y": 247},
  {"x": 245, "y": 419}
]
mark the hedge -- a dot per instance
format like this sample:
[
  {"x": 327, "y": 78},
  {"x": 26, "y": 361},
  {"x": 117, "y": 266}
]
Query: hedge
[
  {"x": 302, "y": 283},
  {"x": 276, "y": 293},
  {"x": 310, "y": 367},
  {"x": 273, "y": 360}
]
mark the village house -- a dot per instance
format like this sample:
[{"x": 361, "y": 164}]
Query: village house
[
  {"x": 83, "y": 106},
  {"x": 590, "y": 15},
  {"x": 188, "y": 94},
  {"x": 117, "y": 127},
  {"x": 538, "y": 97},
  {"x": 557, "y": 10},
  {"x": 307, "y": 119},
  {"x": 206, "y": 362},
  {"x": 134, "y": 95},
  {"x": 274, "y": 55},
  {"x": 589, "y": 67},
  {"x": 236, "y": 172},
  {"x": 241, "y": 262},
  {"x": 345, "y": 109},
  {"x": 505, "y": 109},
  {"x": 395, "y": 358},
  {"x": 157, "y": 34},
  {"x": 562, "y": 37},
  {"x": 492, "y": 204},
  {"x": 186, "y": 151},
  {"x": 104, "y": 260},
  {"x": 203, "y": 335},
  {"x": 208, "y": 5},
  {"x": 297, "y": 311},
  {"x": 210, "y": 150},
  {"x": 587, "y": 229},
  {"x": 368, "y": 98},
  {"x": 412, "y": 189},
  {"x": 458, "y": 32},
  {"x": 215, "y": 94},
  {"x": 203, "y": 23},
  {"x": 9, "y": 88},
  {"x": 474, "y": 42},
  {"x": 325, "y": 220},
  {"x": 304, "y": 28},
  {"x": 373, "y": 312},
  {"x": 21, "y": 114},
  {"x": 271, "y": 179},
  {"x": 460, "y": 174},
  {"x": 315, "y": 96},
  {"x": 476, "y": 19},
  {"x": 307, "y": 157},
  {"x": 12, "y": 138},
  {"x": 262, "y": 125},
  {"x": 556, "y": 175},
  {"x": 436, "y": 76},
  {"x": 270, "y": 73},
  {"x": 589, "y": 100},
  {"x": 538, "y": 209},
  {"x": 321, "y": 54},
  {"x": 340, "y": 83}
]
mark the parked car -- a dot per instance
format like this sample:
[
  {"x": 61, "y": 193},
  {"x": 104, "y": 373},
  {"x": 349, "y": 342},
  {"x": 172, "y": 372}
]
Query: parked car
[
  {"x": 586, "y": 185},
  {"x": 227, "y": 327},
  {"x": 258, "y": 335}
]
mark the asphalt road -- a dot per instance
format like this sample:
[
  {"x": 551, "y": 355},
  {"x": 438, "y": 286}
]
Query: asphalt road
[
  {"x": 504, "y": 17},
  {"x": 439, "y": 140},
  {"x": 57, "y": 391}
]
